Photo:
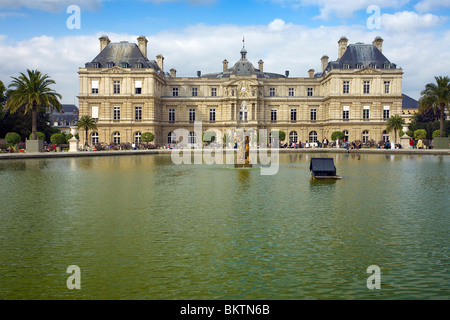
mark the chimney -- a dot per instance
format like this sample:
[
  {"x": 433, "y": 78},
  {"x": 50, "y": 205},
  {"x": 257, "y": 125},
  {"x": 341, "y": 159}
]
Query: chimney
[
  {"x": 199, "y": 74},
  {"x": 225, "y": 65},
  {"x": 160, "y": 62},
  {"x": 343, "y": 43},
  {"x": 324, "y": 61},
  {"x": 311, "y": 73},
  {"x": 104, "y": 41},
  {"x": 142, "y": 43},
  {"x": 261, "y": 65},
  {"x": 378, "y": 42},
  {"x": 286, "y": 73},
  {"x": 173, "y": 73}
]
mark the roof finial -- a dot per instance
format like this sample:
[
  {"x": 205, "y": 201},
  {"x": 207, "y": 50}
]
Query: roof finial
[{"x": 243, "y": 42}]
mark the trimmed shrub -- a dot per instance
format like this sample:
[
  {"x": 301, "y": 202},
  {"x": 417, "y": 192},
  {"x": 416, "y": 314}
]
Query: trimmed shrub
[
  {"x": 338, "y": 134},
  {"x": 13, "y": 138},
  {"x": 420, "y": 134},
  {"x": 147, "y": 137},
  {"x": 58, "y": 138},
  {"x": 437, "y": 134},
  {"x": 40, "y": 136}
]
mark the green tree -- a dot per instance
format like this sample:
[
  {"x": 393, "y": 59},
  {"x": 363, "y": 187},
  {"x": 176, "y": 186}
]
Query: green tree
[
  {"x": 395, "y": 123},
  {"x": 32, "y": 92},
  {"x": 437, "y": 97},
  {"x": 147, "y": 137},
  {"x": 2, "y": 98},
  {"x": 87, "y": 123},
  {"x": 40, "y": 136}
]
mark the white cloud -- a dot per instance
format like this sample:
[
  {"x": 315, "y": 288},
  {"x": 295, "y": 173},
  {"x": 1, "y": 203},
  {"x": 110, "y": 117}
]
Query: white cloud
[
  {"x": 431, "y": 5},
  {"x": 50, "y": 5},
  {"x": 282, "y": 46},
  {"x": 409, "y": 21}
]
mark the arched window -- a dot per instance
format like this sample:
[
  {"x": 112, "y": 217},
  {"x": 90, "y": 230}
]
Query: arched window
[
  {"x": 94, "y": 137},
  {"x": 116, "y": 137},
  {"x": 137, "y": 137},
  {"x": 171, "y": 138},
  {"x": 346, "y": 135},
  {"x": 365, "y": 136},
  {"x": 313, "y": 137},
  {"x": 385, "y": 136},
  {"x": 293, "y": 137}
]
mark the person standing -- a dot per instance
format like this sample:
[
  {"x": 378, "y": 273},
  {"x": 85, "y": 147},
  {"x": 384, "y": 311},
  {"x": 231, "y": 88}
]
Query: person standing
[{"x": 411, "y": 143}]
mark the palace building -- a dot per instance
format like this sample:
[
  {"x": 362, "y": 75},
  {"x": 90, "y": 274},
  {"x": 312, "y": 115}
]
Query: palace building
[{"x": 129, "y": 94}]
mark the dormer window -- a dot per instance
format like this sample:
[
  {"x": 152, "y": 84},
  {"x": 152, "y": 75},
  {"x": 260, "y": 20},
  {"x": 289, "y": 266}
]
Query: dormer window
[
  {"x": 359, "y": 66},
  {"x": 373, "y": 66},
  {"x": 387, "y": 66},
  {"x": 346, "y": 66},
  {"x": 110, "y": 64},
  {"x": 139, "y": 65},
  {"x": 96, "y": 65},
  {"x": 124, "y": 65}
]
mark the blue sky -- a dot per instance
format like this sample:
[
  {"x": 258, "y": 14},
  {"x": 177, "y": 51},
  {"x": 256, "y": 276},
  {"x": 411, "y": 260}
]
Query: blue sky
[{"x": 198, "y": 34}]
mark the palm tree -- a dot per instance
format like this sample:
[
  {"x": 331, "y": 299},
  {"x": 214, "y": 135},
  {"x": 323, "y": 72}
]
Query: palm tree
[
  {"x": 33, "y": 93},
  {"x": 87, "y": 123},
  {"x": 437, "y": 97},
  {"x": 395, "y": 123}
]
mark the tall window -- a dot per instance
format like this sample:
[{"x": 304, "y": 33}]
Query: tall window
[
  {"x": 116, "y": 87},
  {"x": 366, "y": 113},
  {"x": 138, "y": 87},
  {"x": 138, "y": 113},
  {"x": 116, "y": 113},
  {"x": 293, "y": 137},
  {"x": 94, "y": 138},
  {"x": 139, "y": 65},
  {"x": 313, "y": 114},
  {"x": 387, "y": 87},
  {"x": 213, "y": 92},
  {"x": 345, "y": 113},
  {"x": 171, "y": 138},
  {"x": 95, "y": 87},
  {"x": 313, "y": 137},
  {"x": 272, "y": 92},
  {"x": 95, "y": 113},
  {"x": 293, "y": 114},
  {"x": 366, "y": 87},
  {"x": 346, "y": 66},
  {"x": 385, "y": 136},
  {"x": 174, "y": 92},
  {"x": 346, "y": 135},
  {"x": 365, "y": 136},
  {"x": 212, "y": 115},
  {"x": 192, "y": 138},
  {"x": 386, "y": 112},
  {"x": 171, "y": 115},
  {"x": 310, "y": 92},
  {"x": 291, "y": 92},
  {"x": 137, "y": 137},
  {"x": 191, "y": 115},
  {"x": 194, "y": 92},
  {"x": 116, "y": 137},
  {"x": 273, "y": 115},
  {"x": 346, "y": 87}
]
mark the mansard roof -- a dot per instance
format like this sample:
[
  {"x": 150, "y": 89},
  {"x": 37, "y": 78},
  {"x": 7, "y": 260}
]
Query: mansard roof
[
  {"x": 409, "y": 103},
  {"x": 120, "y": 53},
  {"x": 243, "y": 68},
  {"x": 360, "y": 56}
]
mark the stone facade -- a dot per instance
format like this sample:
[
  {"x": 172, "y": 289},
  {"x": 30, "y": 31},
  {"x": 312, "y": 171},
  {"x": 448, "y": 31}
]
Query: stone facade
[{"x": 130, "y": 94}]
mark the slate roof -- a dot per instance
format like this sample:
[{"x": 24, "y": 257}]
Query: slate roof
[
  {"x": 360, "y": 56},
  {"x": 69, "y": 113},
  {"x": 119, "y": 53},
  {"x": 409, "y": 103}
]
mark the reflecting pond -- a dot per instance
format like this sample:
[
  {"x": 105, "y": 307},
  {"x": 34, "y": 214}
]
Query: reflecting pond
[{"x": 140, "y": 227}]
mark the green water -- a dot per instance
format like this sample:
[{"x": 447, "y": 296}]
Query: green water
[{"x": 140, "y": 227}]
